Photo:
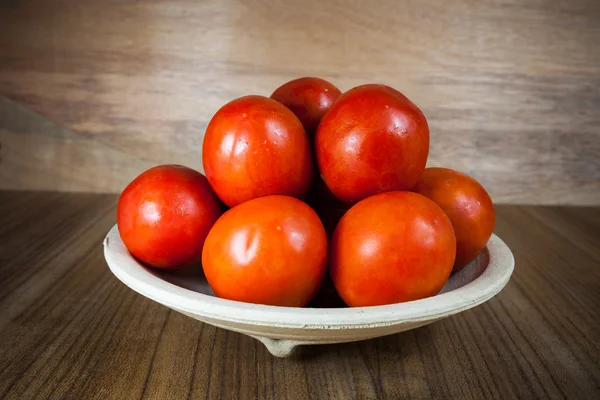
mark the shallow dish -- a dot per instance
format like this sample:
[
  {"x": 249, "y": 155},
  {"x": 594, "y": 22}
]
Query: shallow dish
[{"x": 281, "y": 329}]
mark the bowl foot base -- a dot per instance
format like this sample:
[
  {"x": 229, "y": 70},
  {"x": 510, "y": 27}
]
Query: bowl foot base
[{"x": 279, "y": 347}]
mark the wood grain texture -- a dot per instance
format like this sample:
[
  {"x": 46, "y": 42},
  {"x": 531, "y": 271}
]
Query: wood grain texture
[
  {"x": 510, "y": 87},
  {"x": 69, "y": 329}
]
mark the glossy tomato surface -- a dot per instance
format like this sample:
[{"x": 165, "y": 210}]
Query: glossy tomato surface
[
  {"x": 254, "y": 147},
  {"x": 468, "y": 206},
  {"x": 309, "y": 98},
  {"x": 165, "y": 214},
  {"x": 270, "y": 250},
  {"x": 390, "y": 248},
  {"x": 372, "y": 140}
]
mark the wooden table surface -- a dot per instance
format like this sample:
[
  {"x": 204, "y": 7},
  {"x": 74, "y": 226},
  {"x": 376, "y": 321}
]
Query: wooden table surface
[{"x": 69, "y": 329}]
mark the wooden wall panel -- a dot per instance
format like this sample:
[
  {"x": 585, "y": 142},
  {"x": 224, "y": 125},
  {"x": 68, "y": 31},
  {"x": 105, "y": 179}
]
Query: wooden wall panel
[{"x": 511, "y": 88}]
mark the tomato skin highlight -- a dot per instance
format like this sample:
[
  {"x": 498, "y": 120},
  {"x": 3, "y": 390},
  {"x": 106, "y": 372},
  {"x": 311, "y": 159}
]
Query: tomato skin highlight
[
  {"x": 164, "y": 216},
  {"x": 270, "y": 250},
  {"x": 372, "y": 140},
  {"x": 309, "y": 99},
  {"x": 467, "y": 204},
  {"x": 390, "y": 248},
  {"x": 254, "y": 147}
]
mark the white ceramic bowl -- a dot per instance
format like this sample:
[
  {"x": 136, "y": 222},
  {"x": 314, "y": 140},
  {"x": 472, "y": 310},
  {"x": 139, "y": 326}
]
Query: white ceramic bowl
[{"x": 281, "y": 329}]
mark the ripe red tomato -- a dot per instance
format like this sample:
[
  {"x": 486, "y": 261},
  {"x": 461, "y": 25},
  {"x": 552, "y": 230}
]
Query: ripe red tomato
[
  {"x": 468, "y": 206},
  {"x": 165, "y": 214},
  {"x": 390, "y": 248},
  {"x": 372, "y": 140},
  {"x": 254, "y": 147},
  {"x": 309, "y": 99},
  {"x": 270, "y": 250}
]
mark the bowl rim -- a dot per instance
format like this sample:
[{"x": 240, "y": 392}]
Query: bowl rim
[{"x": 139, "y": 278}]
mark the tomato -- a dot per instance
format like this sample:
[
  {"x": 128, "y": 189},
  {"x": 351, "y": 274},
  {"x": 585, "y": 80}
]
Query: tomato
[
  {"x": 270, "y": 250},
  {"x": 372, "y": 140},
  {"x": 468, "y": 206},
  {"x": 254, "y": 147},
  {"x": 164, "y": 216},
  {"x": 390, "y": 248},
  {"x": 309, "y": 99}
]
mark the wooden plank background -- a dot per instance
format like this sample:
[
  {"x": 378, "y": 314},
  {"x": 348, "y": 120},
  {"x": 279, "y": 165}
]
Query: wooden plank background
[{"x": 97, "y": 91}]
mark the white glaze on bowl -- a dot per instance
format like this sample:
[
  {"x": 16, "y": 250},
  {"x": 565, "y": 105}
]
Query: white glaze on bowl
[{"x": 281, "y": 329}]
